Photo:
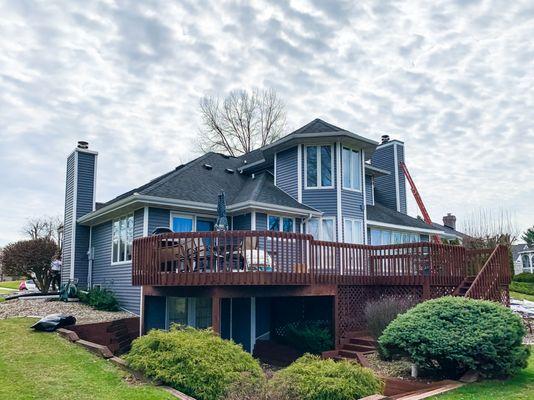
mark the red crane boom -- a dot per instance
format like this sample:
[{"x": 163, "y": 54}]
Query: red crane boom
[{"x": 418, "y": 199}]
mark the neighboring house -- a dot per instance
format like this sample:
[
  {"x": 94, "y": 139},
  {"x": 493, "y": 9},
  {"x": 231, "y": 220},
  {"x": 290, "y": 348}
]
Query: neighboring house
[
  {"x": 523, "y": 257},
  {"x": 320, "y": 179}
]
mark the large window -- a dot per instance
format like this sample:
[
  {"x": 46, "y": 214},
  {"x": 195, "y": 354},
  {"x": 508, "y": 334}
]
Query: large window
[
  {"x": 122, "y": 237},
  {"x": 281, "y": 224},
  {"x": 384, "y": 236},
  {"x": 319, "y": 166},
  {"x": 353, "y": 230},
  {"x": 322, "y": 228},
  {"x": 352, "y": 167},
  {"x": 192, "y": 311}
]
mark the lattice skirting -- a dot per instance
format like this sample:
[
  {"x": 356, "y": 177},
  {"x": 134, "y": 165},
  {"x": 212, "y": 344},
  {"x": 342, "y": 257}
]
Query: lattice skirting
[{"x": 351, "y": 301}]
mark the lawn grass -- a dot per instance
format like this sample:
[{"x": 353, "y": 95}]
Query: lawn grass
[
  {"x": 520, "y": 387},
  {"x": 521, "y": 296},
  {"x": 10, "y": 284},
  {"x": 37, "y": 365}
]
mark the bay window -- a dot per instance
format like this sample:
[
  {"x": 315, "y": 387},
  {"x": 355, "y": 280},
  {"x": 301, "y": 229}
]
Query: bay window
[
  {"x": 353, "y": 230},
  {"x": 352, "y": 167},
  {"x": 121, "y": 239},
  {"x": 322, "y": 228},
  {"x": 319, "y": 166},
  {"x": 385, "y": 236},
  {"x": 280, "y": 224}
]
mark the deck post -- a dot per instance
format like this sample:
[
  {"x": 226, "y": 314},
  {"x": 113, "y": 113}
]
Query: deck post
[
  {"x": 216, "y": 314},
  {"x": 426, "y": 287},
  {"x": 335, "y": 317}
]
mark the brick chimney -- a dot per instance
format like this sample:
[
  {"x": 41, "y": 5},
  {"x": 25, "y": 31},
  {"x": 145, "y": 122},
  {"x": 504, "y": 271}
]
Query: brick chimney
[{"x": 449, "y": 221}]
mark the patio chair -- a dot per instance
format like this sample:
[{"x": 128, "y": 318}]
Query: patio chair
[{"x": 254, "y": 259}]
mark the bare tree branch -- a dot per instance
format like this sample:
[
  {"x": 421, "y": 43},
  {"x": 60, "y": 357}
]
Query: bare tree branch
[
  {"x": 241, "y": 122},
  {"x": 45, "y": 227}
]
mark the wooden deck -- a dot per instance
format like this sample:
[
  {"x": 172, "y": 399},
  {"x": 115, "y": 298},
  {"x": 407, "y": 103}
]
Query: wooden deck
[{"x": 257, "y": 258}]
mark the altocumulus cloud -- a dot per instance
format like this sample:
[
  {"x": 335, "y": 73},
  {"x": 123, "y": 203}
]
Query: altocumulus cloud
[{"x": 452, "y": 79}]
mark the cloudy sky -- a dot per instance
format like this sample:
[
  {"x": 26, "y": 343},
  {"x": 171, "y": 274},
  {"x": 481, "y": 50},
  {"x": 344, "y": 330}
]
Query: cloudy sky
[{"x": 454, "y": 80}]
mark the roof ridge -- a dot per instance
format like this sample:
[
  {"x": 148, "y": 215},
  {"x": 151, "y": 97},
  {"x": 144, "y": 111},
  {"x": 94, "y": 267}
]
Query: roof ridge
[
  {"x": 185, "y": 167},
  {"x": 259, "y": 186}
]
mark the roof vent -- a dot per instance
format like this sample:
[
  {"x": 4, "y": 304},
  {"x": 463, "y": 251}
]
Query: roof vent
[
  {"x": 208, "y": 166},
  {"x": 385, "y": 138},
  {"x": 83, "y": 145},
  {"x": 229, "y": 170}
]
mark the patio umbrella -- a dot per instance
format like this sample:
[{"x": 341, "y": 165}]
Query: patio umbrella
[{"x": 222, "y": 221}]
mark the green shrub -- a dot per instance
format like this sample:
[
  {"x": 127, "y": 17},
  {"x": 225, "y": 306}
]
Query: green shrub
[
  {"x": 196, "y": 362},
  {"x": 309, "y": 337},
  {"x": 451, "y": 335},
  {"x": 522, "y": 287},
  {"x": 378, "y": 314},
  {"x": 100, "y": 299},
  {"x": 524, "y": 277},
  {"x": 313, "y": 378}
]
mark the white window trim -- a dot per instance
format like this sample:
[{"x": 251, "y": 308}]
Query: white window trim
[
  {"x": 125, "y": 262},
  {"x": 360, "y": 152},
  {"x": 352, "y": 221},
  {"x": 319, "y": 162},
  {"x": 321, "y": 219},
  {"x": 281, "y": 225},
  {"x": 194, "y": 217}
]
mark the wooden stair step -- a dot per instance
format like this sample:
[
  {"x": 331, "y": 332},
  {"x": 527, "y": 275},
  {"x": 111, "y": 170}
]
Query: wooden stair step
[
  {"x": 358, "y": 347},
  {"x": 363, "y": 341}
]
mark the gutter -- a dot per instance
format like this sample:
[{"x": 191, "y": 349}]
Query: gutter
[{"x": 192, "y": 205}]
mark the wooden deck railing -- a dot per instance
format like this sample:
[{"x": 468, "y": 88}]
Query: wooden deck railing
[
  {"x": 492, "y": 277},
  {"x": 279, "y": 258}
]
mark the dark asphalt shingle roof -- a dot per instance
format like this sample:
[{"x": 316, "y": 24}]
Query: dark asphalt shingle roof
[
  {"x": 194, "y": 182},
  {"x": 380, "y": 213}
]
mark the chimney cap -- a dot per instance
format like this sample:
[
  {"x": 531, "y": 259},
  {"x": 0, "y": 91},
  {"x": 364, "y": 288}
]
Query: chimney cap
[{"x": 82, "y": 144}]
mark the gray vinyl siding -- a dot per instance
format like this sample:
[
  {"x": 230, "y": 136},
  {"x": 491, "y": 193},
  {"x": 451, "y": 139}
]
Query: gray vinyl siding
[
  {"x": 385, "y": 189},
  {"x": 286, "y": 171},
  {"x": 139, "y": 216},
  {"x": 241, "y": 222},
  {"x": 83, "y": 192},
  {"x": 369, "y": 194},
  {"x": 261, "y": 222},
  {"x": 67, "y": 232},
  {"x": 117, "y": 278},
  {"x": 402, "y": 180},
  {"x": 158, "y": 217},
  {"x": 84, "y": 205}
]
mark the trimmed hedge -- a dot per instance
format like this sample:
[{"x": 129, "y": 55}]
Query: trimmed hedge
[
  {"x": 196, "y": 362},
  {"x": 522, "y": 287},
  {"x": 524, "y": 277},
  {"x": 451, "y": 335},
  {"x": 312, "y": 378}
]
